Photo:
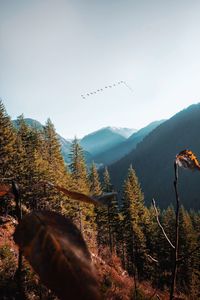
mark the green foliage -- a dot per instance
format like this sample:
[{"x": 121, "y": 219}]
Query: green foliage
[
  {"x": 7, "y": 141},
  {"x": 7, "y": 271},
  {"x": 95, "y": 186},
  {"x": 81, "y": 213},
  {"x": 129, "y": 230},
  {"x": 133, "y": 212}
]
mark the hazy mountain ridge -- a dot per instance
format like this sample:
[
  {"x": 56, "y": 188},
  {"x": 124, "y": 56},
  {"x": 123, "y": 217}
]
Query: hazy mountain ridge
[
  {"x": 105, "y": 137},
  {"x": 101, "y": 140},
  {"x": 123, "y": 131},
  {"x": 118, "y": 151},
  {"x": 154, "y": 156}
]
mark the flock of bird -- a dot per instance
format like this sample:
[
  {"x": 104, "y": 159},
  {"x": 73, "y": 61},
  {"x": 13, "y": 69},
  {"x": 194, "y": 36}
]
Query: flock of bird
[{"x": 84, "y": 96}]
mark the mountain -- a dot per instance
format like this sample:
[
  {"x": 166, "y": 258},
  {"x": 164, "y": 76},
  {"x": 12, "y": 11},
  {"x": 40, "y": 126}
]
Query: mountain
[
  {"x": 31, "y": 122},
  {"x": 120, "y": 150},
  {"x": 65, "y": 144},
  {"x": 125, "y": 132},
  {"x": 154, "y": 157},
  {"x": 104, "y": 139}
]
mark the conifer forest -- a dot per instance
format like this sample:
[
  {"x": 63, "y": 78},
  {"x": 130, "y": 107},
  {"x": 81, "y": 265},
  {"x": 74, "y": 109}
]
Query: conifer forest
[{"x": 66, "y": 233}]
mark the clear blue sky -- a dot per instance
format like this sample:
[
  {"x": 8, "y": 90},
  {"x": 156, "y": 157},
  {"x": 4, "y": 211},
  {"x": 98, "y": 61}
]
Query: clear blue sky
[{"x": 52, "y": 51}]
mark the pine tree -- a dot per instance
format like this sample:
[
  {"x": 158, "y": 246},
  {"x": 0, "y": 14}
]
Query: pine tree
[
  {"x": 7, "y": 141},
  {"x": 57, "y": 170},
  {"x": 78, "y": 168},
  {"x": 95, "y": 186},
  {"x": 81, "y": 213},
  {"x": 195, "y": 286},
  {"x": 32, "y": 168},
  {"x": 187, "y": 243},
  {"x": 7, "y": 152},
  {"x": 133, "y": 209},
  {"x": 107, "y": 186},
  {"x": 164, "y": 252},
  {"x": 95, "y": 190},
  {"x": 57, "y": 167},
  {"x": 107, "y": 218}
]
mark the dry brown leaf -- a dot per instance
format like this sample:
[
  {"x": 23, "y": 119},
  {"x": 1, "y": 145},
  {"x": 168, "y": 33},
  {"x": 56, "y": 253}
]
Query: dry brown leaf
[
  {"x": 187, "y": 159},
  {"x": 57, "y": 251},
  {"x": 100, "y": 200}
]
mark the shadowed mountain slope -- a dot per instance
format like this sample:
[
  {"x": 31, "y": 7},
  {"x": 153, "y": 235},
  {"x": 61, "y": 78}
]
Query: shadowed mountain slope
[{"x": 153, "y": 160}]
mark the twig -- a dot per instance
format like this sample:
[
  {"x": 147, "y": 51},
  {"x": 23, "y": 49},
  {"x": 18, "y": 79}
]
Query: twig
[
  {"x": 159, "y": 224},
  {"x": 153, "y": 259}
]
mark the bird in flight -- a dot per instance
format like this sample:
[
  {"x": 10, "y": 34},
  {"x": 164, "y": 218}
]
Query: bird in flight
[{"x": 84, "y": 96}]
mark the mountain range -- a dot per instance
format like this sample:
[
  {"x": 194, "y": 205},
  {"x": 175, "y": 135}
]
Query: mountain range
[
  {"x": 118, "y": 151},
  {"x": 154, "y": 157},
  {"x": 101, "y": 140},
  {"x": 104, "y": 139},
  {"x": 151, "y": 151}
]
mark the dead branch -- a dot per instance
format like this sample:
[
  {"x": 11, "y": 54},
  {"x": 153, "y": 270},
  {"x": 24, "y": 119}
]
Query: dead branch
[
  {"x": 152, "y": 258},
  {"x": 159, "y": 224}
]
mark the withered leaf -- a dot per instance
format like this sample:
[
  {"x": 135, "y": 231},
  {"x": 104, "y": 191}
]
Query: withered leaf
[
  {"x": 57, "y": 251},
  {"x": 77, "y": 196},
  {"x": 100, "y": 200},
  {"x": 187, "y": 159}
]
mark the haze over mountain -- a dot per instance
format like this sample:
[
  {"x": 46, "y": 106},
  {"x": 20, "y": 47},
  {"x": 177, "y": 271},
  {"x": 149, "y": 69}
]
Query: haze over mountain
[
  {"x": 104, "y": 139},
  {"x": 153, "y": 160},
  {"x": 120, "y": 150}
]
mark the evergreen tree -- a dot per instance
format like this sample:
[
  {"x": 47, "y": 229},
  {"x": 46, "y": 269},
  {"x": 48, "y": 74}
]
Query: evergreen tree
[
  {"x": 78, "y": 168},
  {"x": 107, "y": 186},
  {"x": 7, "y": 141},
  {"x": 7, "y": 152},
  {"x": 32, "y": 168},
  {"x": 187, "y": 243},
  {"x": 107, "y": 218},
  {"x": 195, "y": 286},
  {"x": 95, "y": 186},
  {"x": 57, "y": 168},
  {"x": 95, "y": 190},
  {"x": 133, "y": 209},
  {"x": 102, "y": 222},
  {"x": 165, "y": 253},
  {"x": 81, "y": 213}
]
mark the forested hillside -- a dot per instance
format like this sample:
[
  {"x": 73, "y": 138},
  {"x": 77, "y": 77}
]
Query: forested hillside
[
  {"x": 124, "y": 243},
  {"x": 153, "y": 160},
  {"x": 64, "y": 144}
]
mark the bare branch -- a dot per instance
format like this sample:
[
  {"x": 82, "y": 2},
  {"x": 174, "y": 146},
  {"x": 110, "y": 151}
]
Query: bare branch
[
  {"x": 152, "y": 258},
  {"x": 159, "y": 224}
]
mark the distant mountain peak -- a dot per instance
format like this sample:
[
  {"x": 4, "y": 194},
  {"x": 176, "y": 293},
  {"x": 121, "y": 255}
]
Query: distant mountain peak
[{"x": 123, "y": 131}]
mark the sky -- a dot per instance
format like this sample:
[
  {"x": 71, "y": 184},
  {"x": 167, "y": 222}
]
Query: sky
[{"x": 52, "y": 51}]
